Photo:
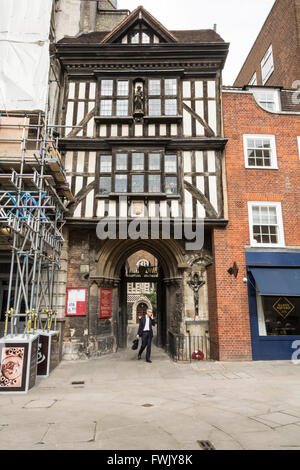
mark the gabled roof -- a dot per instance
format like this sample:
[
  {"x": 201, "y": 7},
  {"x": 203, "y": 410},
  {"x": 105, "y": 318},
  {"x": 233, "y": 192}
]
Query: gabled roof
[
  {"x": 182, "y": 36},
  {"x": 139, "y": 14}
]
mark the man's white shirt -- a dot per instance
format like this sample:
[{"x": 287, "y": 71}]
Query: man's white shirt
[{"x": 147, "y": 324}]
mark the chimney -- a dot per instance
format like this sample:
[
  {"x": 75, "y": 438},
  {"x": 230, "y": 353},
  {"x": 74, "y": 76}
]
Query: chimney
[
  {"x": 108, "y": 15},
  {"x": 215, "y": 28}
]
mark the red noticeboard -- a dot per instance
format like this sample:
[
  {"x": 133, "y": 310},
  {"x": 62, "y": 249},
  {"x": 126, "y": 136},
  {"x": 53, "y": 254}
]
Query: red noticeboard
[
  {"x": 76, "y": 301},
  {"x": 105, "y": 303}
]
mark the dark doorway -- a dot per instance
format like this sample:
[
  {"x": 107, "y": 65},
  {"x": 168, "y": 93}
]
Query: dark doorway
[{"x": 148, "y": 283}]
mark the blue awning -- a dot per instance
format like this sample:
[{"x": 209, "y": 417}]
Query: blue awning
[{"x": 277, "y": 281}]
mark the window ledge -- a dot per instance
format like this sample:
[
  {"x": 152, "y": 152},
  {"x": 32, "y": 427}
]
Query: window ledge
[
  {"x": 112, "y": 119},
  {"x": 261, "y": 167},
  {"x": 267, "y": 245},
  {"x": 138, "y": 196},
  {"x": 130, "y": 119},
  {"x": 168, "y": 119}
]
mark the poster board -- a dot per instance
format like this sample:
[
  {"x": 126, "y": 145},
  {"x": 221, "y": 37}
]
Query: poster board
[
  {"x": 18, "y": 363},
  {"x": 76, "y": 301},
  {"x": 105, "y": 303},
  {"x": 48, "y": 352}
]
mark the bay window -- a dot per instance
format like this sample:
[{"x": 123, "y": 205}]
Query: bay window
[{"x": 138, "y": 172}]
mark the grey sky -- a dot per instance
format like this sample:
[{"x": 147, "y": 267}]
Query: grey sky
[{"x": 238, "y": 22}]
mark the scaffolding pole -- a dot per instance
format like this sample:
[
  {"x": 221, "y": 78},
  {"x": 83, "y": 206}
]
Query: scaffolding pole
[{"x": 33, "y": 191}]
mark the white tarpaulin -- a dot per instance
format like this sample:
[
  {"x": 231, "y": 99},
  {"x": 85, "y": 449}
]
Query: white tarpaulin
[{"x": 24, "y": 54}]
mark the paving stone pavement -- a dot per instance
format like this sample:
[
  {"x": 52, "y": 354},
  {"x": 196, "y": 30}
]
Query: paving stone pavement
[{"x": 129, "y": 404}]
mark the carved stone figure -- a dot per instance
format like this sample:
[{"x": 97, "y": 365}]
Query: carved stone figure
[
  {"x": 201, "y": 259},
  {"x": 139, "y": 100},
  {"x": 195, "y": 283}
]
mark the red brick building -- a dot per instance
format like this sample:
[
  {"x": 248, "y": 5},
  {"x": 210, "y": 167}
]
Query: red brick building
[
  {"x": 255, "y": 313},
  {"x": 274, "y": 59}
]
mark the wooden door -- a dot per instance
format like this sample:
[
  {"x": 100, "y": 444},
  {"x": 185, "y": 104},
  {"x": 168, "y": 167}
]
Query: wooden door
[{"x": 140, "y": 311}]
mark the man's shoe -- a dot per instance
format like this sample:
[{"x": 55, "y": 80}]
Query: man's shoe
[
  {"x": 139, "y": 357},
  {"x": 148, "y": 360}
]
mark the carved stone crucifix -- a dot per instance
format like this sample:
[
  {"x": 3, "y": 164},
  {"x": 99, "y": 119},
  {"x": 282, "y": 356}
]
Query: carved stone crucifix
[{"x": 195, "y": 283}]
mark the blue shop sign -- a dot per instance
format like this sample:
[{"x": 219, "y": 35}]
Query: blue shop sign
[{"x": 274, "y": 303}]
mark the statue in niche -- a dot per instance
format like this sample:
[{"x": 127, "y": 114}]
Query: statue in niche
[
  {"x": 195, "y": 283},
  {"x": 139, "y": 99}
]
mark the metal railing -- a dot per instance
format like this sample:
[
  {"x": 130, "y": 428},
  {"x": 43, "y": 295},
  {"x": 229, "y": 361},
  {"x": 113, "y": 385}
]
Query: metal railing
[{"x": 188, "y": 348}]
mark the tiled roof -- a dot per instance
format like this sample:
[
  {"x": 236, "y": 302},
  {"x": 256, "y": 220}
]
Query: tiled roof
[
  {"x": 183, "y": 36},
  {"x": 197, "y": 35},
  {"x": 287, "y": 101}
]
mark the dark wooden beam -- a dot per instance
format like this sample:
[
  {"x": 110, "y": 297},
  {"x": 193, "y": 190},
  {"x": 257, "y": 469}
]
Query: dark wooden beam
[
  {"x": 210, "y": 132},
  {"x": 197, "y": 143},
  {"x": 199, "y": 196}
]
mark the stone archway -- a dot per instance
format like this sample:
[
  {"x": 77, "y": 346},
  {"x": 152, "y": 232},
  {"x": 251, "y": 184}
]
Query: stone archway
[
  {"x": 111, "y": 260},
  {"x": 113, "y": 254}
]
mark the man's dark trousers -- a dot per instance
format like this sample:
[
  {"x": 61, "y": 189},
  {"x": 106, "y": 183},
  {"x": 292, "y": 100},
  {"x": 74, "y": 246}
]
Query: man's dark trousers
[{"x": 146, "y": 342}]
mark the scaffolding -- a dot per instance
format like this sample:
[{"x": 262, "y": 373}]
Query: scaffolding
[{"x": 33, "y": 191}]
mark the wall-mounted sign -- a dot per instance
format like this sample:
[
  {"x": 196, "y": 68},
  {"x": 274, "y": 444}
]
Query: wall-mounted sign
[
  {"x": 76, "y": 301},
  {"x": 283, "y": 307},
  {"x": 105, "y": 303}
]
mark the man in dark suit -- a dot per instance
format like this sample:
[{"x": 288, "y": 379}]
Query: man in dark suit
[{"x": 146, "y": 333}]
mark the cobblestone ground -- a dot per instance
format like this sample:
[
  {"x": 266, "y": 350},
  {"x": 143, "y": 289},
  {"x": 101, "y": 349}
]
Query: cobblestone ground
[{"x": 253, "y": 405}]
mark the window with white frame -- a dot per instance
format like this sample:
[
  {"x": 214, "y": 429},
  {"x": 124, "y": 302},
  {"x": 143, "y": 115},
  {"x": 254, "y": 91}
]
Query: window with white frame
[
  {"x": 267, "y": 65},
  {"x": 265, "y": 223},
  {"x": 268, "y": 99},
  {"x": 260, "y": 151},
  {"x": 298, "y": 138},
  {"x": 253, "y": 80}
]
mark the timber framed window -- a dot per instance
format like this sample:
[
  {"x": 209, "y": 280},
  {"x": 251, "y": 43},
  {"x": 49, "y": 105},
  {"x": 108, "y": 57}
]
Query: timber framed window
[
  {"x": 141, "y": 34},
  {"x": 105, "y": 175},
  {"x": 137, "y": 172},
  {"x": 260, "y": 151},
  {"x": 162, "y": 97},
  {"x": 265, "y": 223},
  {"x": 114, "y": 97}
]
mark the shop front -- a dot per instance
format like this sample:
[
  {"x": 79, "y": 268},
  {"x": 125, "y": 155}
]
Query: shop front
[{"x": 274, "y": 303}]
